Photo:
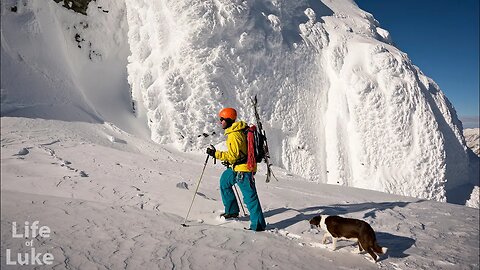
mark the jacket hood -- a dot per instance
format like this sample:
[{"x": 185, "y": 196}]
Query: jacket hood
[{"x": 237, "y": 126}]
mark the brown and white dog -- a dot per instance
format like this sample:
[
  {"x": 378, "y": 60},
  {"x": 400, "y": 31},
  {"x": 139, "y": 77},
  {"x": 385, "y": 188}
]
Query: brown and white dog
[{"x": 359, "y": 230}]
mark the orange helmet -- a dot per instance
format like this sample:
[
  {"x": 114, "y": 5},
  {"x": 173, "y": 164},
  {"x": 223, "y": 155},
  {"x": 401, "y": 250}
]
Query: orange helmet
[{"x": 228, "y": 113}]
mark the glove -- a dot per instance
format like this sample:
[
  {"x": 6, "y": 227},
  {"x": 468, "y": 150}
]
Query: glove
[
  {"x": 211, "y": 151},
  {"x": 225, "y": 163}
]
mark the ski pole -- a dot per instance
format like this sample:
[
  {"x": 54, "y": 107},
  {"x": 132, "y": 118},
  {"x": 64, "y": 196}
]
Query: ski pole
[
  {"x": 198, "y": 185},
  {"x": 241, "y": 203}
]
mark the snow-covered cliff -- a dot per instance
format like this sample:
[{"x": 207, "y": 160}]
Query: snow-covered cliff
[{"x": 341, "y": 104}]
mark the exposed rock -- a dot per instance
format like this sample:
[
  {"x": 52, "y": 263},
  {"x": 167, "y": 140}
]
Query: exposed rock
[
  {"x": 182, "y": 185},
  {"x": 79, "y": 6},
  {"x": 22, "y": 152}
]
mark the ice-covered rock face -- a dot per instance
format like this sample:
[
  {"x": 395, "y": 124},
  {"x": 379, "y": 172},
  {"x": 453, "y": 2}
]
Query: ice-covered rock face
[
  {"x": 191, "y": 59},
  {"x": 339, "y": 102}
]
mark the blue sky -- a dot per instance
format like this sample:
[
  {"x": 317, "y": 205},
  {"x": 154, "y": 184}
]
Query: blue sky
[{"x": 442, "y": 38}]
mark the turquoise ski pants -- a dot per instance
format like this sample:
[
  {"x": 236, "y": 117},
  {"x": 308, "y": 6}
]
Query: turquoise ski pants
[{"x": 247, "y": 185}]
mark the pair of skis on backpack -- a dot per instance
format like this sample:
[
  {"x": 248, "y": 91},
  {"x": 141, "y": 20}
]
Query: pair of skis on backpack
[{"x": 260, "y": 140}]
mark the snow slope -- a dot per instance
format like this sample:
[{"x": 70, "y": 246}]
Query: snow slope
[
  {"x": 341, "y": 104},
  {"x": 126, "y": 209}
]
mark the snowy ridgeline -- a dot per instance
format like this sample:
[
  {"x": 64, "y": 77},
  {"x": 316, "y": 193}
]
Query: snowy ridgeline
[{"x": 340, "y": 103}]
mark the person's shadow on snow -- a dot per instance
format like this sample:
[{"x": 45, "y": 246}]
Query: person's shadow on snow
[{"x": 336, "y": 209}]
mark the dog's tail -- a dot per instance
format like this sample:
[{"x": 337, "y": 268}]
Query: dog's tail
[{"x": 379, "y": 249}]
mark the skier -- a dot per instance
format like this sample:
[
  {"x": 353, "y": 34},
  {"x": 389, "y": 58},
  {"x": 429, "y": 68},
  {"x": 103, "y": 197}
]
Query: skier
[{"x": 237, "y": 172}]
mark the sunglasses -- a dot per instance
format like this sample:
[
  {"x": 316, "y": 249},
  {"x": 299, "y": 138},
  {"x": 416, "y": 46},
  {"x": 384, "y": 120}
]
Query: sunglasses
[{"x": 222, "y": 119}]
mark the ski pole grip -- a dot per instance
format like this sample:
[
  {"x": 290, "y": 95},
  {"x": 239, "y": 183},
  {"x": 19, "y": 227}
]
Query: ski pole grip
[{"x": 214, "y": 159}]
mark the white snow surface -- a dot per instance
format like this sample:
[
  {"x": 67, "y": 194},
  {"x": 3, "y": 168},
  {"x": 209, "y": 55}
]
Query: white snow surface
[
  {"x": 340, "y": 104},
  {"x": 115, "y": 205}
]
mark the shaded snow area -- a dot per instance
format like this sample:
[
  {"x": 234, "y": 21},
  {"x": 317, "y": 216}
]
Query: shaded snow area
[
  {"x": 58, "y": 64},
  {"x": 341, "y": 104},
  {"x": 126, "y": 212},
  {"x": 105, "y": 118}
]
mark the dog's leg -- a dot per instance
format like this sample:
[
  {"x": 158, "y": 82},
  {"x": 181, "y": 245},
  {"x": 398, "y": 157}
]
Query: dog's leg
[
  {"x": 360, "y": 249},
  {"x": 374, "y": 256},
  {"x": 324, "y": 239},
  {"x": 334, "y": 243}
]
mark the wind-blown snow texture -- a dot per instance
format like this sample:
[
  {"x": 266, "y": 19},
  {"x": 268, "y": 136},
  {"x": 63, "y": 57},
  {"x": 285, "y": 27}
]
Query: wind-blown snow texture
[{"x": 340, "y": 103}]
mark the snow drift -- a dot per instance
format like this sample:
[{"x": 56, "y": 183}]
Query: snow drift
[{"x": 341, "y": 104}]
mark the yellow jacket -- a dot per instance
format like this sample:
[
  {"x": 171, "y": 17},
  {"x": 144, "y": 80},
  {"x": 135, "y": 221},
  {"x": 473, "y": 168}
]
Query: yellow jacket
[{"x": 236, "y": 147}]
